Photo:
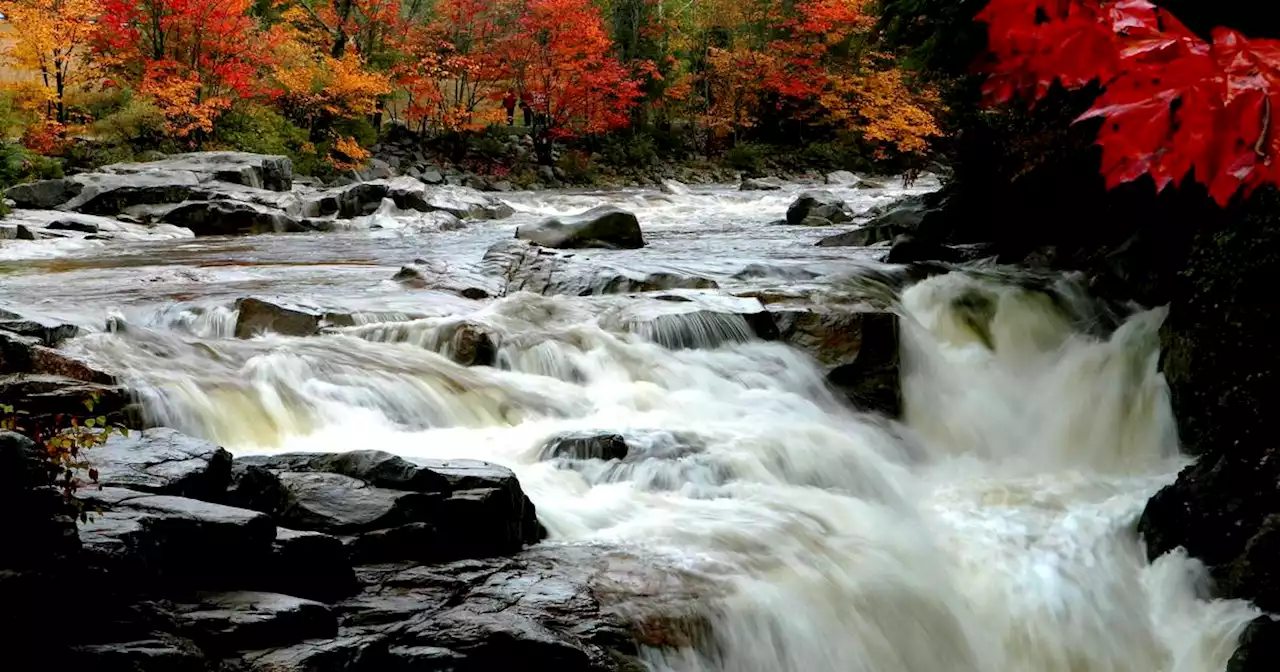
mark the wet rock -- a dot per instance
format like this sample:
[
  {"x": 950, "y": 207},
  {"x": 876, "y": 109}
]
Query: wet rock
[
  {"x": 756, "y": 184},
  {"x": 1258, "y": 649},
  {"x": 29, "y": 355},
  {"x": 585, "y": 447},
  {"x": 248, "y": 620},
  {"x": 819, "y": 205},
  {"x": 395, "y": 510},
  {"x": 841, "y": 177},
  {"x": 161, "y": 653},
  {"x": 45, "y": 194},
  {"x": 432, "y": 176},
  {"x": 377, "y": 170},
  {"x": 466, "y": 203},
  {"x": 522, "y": 267},
  {"x": 261, "y": 171},
  {"x": 160, "y": 540},
  {"x": 311, "y": 565},
  {"x": 46, "y": 395},
  {"x": 863, "y": 236},
  {"x": 350, "y": 652},
  {"x": 229, "y": 218},
  {"x": 871, "y": 183},
  {"x": 164, "y": 462},
  {"x": 674, "y": 187},
  {"x": 694, "y": 320},
  {"x": 602, "y": 226},
  {"x": 871, "y": 380},
  {"x": 469, "y": 344},
  {"x": 374, "y": 467},
  {"x": 552, "y": 607},
  {"x": 257, "y": 316},
  {"x": 832, "y": 335},
  {"x": 448, "y": 279},
  {"x": 111, "y": 194},
  {"x": 1221, "y": 509}
]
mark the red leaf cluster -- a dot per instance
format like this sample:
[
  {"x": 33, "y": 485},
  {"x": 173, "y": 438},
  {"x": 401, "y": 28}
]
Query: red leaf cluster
[{"x": 1173, "y": 103}]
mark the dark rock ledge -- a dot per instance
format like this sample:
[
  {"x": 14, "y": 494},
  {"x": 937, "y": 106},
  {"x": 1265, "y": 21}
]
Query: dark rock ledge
[{"x": 190, "y": 560}]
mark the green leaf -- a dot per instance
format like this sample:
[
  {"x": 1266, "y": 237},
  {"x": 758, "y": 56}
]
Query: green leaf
[{"x": 90, "y": 422}]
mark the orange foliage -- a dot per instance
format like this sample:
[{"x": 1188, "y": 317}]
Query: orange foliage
[
  {"x": 176, "y": 91},
  {"x": 51, "y": 38},
  {"x": 346, "y": 154}
]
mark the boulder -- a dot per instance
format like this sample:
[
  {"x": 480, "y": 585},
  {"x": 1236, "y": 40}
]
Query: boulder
[
  {"x": 390, "y": 508},
  {"x": 863, "y": 236},
  {"x": 50, "y": 332},
  {"x": 820, "y": 205},
  {"x": 261, "y": 171},
  {"x": 29, "y": 355},
  {"x": 602, "y": 226},
  {"x": 585, "y": 446},
  {"x": 229, "y": 218},
  {"x": 161, "y": 461},
  {"x": 432, "y": 176},
  {"x": 359, "y": 651},
  {"x": 246, "y": 620},
  {"x": 257, "y": 316},
  {"x": 446, "y": 278},
  {"x": 843, "y": 177},
  {"x": 46, "y": 395},
  {"x": 45, "y": 194},
  {"x": 756, "y": 184},
  {"x": 311, "y": 565},
  {"x": 155, "y": 541},
  {"x": 111, "y": 194},
  {"x": 465, "y": 203}
]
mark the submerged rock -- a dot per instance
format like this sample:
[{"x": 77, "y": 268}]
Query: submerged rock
[
  {"x": 521, "y": 267},
  {"x": 602, "y": 226},
  {"x": 257, "y": 316},
  {"x": 758, "y": 184},
  {"x": 585, "y": 446}
]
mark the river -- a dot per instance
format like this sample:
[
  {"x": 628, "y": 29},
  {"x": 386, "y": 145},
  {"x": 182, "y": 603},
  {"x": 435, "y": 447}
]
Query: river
[{"x": 992, "y": 530}]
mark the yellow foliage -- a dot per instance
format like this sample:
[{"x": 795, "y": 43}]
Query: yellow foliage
[
  {"x": 50, "y": 39},
  {"x": 347, "y": 154},
  {"x": 881, "y": 106},
  {"x": 312, "y": 84},
  {"x": 176, "y": 93}
]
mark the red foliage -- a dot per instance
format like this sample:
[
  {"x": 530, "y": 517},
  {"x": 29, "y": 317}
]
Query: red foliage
[
  {"x": 560, "y": 55},
  {"x": 215, "y": 41},
  {"x": 1173, "y": 103}
]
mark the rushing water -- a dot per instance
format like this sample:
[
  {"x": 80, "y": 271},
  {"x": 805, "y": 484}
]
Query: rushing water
[{"x": 992, "y": 530}]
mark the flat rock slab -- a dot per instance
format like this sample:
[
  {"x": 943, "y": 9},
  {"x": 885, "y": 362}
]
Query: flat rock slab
[
  {"x": 249, "y": 620},
  {"x": 164, "y": 462}
]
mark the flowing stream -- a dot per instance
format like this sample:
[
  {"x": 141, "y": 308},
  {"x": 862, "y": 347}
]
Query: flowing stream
[{"x": 991, "y": 530}]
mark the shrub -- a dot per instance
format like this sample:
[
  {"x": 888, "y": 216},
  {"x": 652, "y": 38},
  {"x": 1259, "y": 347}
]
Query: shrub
[
  {"x": 637, "y": 151},
  {"x": 64, "y": 440},
  {"x": 747, "y": 157},
  {"x": 138, "y": 124},
  {"x": 18, "y": 164},
  {"x": 577, "y": 167}
]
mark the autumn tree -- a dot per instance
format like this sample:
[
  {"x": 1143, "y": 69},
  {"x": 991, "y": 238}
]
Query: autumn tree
[
  {"x": 195, "y": 57},
  {"x": 1174, "y": 104},
  {"x": 50, "y": 38},
  {"x": 453, "y": 65},
  {"x": 560, "y": 56}
]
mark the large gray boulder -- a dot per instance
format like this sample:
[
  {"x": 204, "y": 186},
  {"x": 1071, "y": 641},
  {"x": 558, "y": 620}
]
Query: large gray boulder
[
  {"x": 261, "y": 171},
  {"x": 408, "y": 193},
  {"x": 45, "y": 194},
  {"x": 242, "y": 620},
  {"x": 111, "y": 194},
  {"x": 602, "y": 226}
]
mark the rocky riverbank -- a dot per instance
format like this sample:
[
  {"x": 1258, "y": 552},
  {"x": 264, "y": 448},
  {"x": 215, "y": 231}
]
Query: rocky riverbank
[{"x": 191, "y": 560}]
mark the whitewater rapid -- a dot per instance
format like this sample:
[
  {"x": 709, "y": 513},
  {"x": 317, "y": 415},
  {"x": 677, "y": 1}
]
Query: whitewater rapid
[{"x": 991, "y": 530}]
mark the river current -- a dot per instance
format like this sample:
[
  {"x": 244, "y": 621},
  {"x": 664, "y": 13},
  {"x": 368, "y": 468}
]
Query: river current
[{"x": 991, "y": 530}]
